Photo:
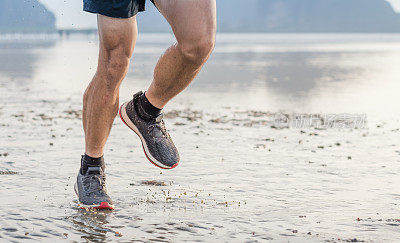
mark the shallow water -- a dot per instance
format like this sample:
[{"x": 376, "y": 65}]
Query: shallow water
[{"x": 259, "y": 159}]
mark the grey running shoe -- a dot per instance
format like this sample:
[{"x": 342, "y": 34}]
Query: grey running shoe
[
  {"x": 156, "y": 142},
  {"x": 91, "y": 189}
]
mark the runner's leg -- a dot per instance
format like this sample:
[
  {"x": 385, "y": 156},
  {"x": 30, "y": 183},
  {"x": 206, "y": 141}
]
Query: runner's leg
[
  {"x": 100, "y": 101},
  {"x": 194, "y": 25}
]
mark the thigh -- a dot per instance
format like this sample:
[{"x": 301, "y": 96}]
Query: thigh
[
  {"x": 190, "y": 19},
  {"x": 117, "y": 34}
]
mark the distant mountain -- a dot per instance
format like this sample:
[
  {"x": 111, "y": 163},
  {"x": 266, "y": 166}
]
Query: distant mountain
[
  {"x": 294, "y": 16},
  {"x": 327, "y": 16},
  {"x": 25, "y": 16}
]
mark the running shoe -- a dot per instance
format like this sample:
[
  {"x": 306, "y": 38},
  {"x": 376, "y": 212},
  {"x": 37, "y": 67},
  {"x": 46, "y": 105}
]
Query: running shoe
[
  {"x": 156, "y": 141},
  {"x": 91, "y": 189}
]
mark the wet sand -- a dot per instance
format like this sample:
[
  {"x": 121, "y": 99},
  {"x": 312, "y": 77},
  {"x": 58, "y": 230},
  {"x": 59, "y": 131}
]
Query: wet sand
[{"x": 284, "y": 138}]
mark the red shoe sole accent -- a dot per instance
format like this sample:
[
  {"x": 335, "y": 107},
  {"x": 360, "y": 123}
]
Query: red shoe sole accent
[
  {"x": 120, "y": 116},
  {"x": 103, "y": 205}
]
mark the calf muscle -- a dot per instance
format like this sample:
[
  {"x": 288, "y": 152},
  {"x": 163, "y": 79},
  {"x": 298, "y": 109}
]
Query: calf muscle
[
  {"x": 100, "y": 102},
  {"x": 194, "y": 25}
]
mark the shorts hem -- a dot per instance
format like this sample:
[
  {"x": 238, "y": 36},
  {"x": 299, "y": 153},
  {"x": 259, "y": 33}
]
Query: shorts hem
[
  {"x": 111, "y": 15},
  {"x": 114, "y": 14}
]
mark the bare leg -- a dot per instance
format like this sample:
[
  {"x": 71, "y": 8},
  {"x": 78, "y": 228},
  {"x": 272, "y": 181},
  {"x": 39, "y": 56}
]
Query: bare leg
[
  {"x": 194, "y": 26},
  {"x": 100, "y": 101}
]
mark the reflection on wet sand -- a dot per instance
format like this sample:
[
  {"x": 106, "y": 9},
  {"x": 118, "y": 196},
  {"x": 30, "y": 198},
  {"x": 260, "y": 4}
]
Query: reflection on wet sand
[
  {"x": 19, "y": 60},
  {"x": 91, "y": 224}
]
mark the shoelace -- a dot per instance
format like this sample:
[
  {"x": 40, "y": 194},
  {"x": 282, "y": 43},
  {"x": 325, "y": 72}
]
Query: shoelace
[
  {"x": 94, "y": 183},
  {"x": 160, "y": 125}
]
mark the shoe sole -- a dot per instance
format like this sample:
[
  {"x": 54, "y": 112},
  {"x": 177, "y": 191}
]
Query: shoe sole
[
  {"x": 101, "y": 206},
  {"x": 125, "y": 119}
]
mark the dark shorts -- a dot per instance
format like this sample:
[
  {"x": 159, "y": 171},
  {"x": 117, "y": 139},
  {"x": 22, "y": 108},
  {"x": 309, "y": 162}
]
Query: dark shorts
[{"x": 115, "y": 8}]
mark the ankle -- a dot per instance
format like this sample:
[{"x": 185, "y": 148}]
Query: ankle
[
  {"x": 88, "y": 161},
  {"x": 155, "y": 98},
  {"x": 92, "y": 160},
  {"x": 146, "y": 109}
]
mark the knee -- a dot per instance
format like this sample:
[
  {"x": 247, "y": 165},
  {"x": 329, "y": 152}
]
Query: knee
[
  {"x": 114, "y": 65},
  {"x": 197, "y": 52}
]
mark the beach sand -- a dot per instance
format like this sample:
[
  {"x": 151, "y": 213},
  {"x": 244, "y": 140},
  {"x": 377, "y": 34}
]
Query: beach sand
[{"x": 282, "y": 138}]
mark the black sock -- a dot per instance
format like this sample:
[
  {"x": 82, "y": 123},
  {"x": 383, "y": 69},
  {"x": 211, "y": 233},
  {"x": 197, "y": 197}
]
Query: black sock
[
  {"x": 88, "y": 161},
  {"x": 149, "y": 109}
]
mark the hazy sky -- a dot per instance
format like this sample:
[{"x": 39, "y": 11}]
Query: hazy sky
[{"x": 70, "y": 15}]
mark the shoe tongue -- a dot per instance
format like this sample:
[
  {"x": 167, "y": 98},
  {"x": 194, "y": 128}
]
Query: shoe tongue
[{"x": 93, "y": 170}]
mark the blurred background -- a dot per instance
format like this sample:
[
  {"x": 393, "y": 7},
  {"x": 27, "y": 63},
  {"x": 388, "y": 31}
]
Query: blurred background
[
  {"x": 283, "y": 52},
  {"x": 233, "y": 16},
  {"x": 290, "y": 132}
]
